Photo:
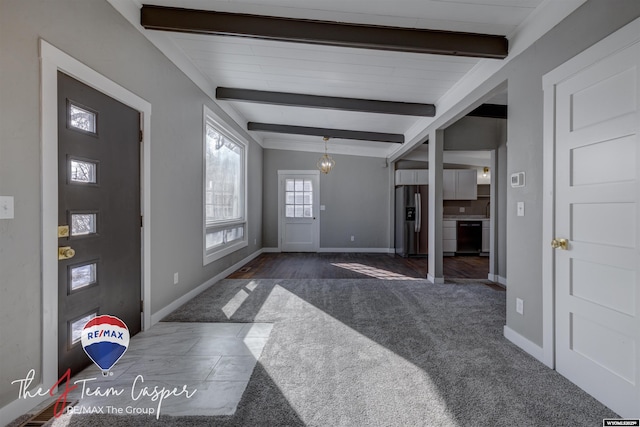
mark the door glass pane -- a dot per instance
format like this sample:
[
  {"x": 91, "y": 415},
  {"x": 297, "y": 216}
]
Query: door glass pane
[
  {"x": 290, "y": 198},
  {"x": 82, "y": 119},
  {"x": 299, "y": 202},
  {"x": 83, "y": 275},
  {"x": 84, "y": 172},
  {"x": 83, "y": 224},
  {"x": 76, "y": 326}
]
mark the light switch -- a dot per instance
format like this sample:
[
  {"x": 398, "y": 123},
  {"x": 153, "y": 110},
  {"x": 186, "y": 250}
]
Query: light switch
[
  {"x": 520, "y": 208},
  {"x": 6, "y": 207},
  {"x": 322, "y": 207}
]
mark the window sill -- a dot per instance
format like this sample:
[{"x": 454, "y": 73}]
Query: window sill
[{"x": 220, "y": 253}]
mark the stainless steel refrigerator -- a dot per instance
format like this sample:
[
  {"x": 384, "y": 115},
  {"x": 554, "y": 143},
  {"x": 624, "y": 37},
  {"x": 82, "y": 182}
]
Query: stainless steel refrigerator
[{"x": 412, "y": 212}]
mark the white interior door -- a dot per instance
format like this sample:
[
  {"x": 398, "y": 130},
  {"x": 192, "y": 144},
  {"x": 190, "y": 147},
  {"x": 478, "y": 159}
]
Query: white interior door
[
  {"x": 299, "y": 200},
  {"x": 597, "y": 193}
]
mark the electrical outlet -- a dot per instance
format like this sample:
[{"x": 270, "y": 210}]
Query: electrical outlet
[
  {"x": 175, "y": 278},
  {"x": 520, "y": 208},
  {"x": 461, "y": 210},
  {"x": 519, "y": 306},
  {"x": 353, "y": 238},
  {"x": 6, "y": 207}
]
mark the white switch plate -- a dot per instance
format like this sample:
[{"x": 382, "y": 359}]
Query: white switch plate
[
  {"x": 6, "y": 207},
  {"x": 353, "y": 238},
  {"x": 461, "y": 209},
  {"x": 176, "y": 278},
  {"x": 519, "y": 306},
  {"x": 520, "y": 209},
  {"x": 322, "y": 207}
]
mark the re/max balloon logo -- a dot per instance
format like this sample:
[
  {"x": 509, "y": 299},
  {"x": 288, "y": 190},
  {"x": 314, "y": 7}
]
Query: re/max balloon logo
[{"x": 105, "y": 339}]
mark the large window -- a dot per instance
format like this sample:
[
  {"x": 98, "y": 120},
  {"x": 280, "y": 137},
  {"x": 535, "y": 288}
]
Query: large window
[{"x": 225, "y": 225}]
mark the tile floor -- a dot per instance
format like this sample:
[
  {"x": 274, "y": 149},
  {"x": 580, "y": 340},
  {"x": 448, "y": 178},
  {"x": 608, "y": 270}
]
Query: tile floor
[{"x": 177, "y": 369}]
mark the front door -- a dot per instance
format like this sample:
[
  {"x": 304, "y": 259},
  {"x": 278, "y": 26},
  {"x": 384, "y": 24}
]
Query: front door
[
  {"x": 99, "y": 267},
  {"x": 299, "y": 205},
  {"x": 597, "y": 254}
]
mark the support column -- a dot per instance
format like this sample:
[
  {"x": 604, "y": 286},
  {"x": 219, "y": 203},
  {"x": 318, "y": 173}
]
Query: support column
[{"x": 436, "y": 147}]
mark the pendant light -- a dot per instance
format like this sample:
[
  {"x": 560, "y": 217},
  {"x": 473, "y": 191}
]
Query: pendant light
[{"x": 326, "y": 163}]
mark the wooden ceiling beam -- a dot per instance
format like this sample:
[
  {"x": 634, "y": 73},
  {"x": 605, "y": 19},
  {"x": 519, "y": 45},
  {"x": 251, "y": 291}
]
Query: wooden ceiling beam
[
  {"x": 326, "y": 102},
  {"x": 330, "y": 133},
  {"x": 341, "y": 34}
]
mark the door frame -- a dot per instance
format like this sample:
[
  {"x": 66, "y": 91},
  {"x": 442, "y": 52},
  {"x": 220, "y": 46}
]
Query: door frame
[
  {"x": 316, "y": 226},
  {"x": 53, "y": 60},
  {"x": 617, "y": 41}
]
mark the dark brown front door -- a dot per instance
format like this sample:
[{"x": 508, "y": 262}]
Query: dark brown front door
[{"x": 99, "y": 267}]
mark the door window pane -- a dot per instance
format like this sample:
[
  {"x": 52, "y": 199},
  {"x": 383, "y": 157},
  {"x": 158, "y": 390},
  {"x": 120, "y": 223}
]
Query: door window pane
[
  {"x": 83, "y": 275},
  {"x": 76, "y": 326},
  {"x": 84, "y": 172},
  {"x": 82, "y": 119},
  {"x": 83, "y": 224},
  {"x": 299, "y": 202}
]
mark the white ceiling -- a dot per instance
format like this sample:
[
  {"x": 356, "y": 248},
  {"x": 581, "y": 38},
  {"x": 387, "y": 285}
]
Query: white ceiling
[{"x": 335, "y": 71}]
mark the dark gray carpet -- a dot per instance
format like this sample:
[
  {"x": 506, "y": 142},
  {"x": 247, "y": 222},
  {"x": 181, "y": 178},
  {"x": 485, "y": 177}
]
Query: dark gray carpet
[{"x": 381, "y": 353}]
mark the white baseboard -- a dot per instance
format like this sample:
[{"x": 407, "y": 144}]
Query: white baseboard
[
  {"x": 528, "y": 346},
  {"x": 359, "y": 250},
  {"x": 22, "y": 406},
  {"x": 165, "y": 311},
  {"x": 498, "y": 279},
  {"x": 341, "y": 250},
  {"x": 433, "y": 279}
]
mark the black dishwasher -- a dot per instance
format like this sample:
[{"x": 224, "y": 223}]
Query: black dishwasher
[{"x": 469, "y": 237}]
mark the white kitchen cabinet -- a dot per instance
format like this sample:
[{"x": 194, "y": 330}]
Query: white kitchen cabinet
[
  {"x": 412, "y": 177},
  {"x": 460, "y": 184},
  {"x": 449, "y": 238},
  {"x": 449, "y": 179},
  {"x": 485, "y": 235}
]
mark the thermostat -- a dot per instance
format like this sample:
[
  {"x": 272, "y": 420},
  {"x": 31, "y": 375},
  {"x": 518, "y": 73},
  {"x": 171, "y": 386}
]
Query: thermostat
[{"x": 517, "y": 179}]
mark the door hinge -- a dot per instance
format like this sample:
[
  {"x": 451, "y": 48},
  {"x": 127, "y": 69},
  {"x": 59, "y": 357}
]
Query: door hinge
[
  {"x": 141, "y": 221},
  {"x": 141, "y": 305},
  {"x": 140, "y": 136}
]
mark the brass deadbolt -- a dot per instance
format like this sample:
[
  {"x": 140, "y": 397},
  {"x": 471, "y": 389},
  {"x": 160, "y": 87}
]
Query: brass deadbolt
[{"x": 63, "y": 231}]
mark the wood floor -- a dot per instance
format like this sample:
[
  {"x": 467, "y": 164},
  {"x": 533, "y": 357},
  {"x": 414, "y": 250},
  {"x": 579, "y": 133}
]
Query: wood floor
[{"x": 357, "y": 265}]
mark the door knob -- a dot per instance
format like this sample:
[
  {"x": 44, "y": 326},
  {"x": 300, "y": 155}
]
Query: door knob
[
  {"x": 65, "y": 252},
  {"x": 560, "y": 243}
]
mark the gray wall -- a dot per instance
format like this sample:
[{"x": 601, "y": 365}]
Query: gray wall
[
  {"x": 356, "y": 195},
  {"x": 474, "y": 133},
  {"x": 587, "y": 25},
  {"x": 95, "y": 34}
]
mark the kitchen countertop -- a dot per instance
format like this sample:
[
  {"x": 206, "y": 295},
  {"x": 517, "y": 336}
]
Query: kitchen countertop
[{"x": 465, "y": 217}]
